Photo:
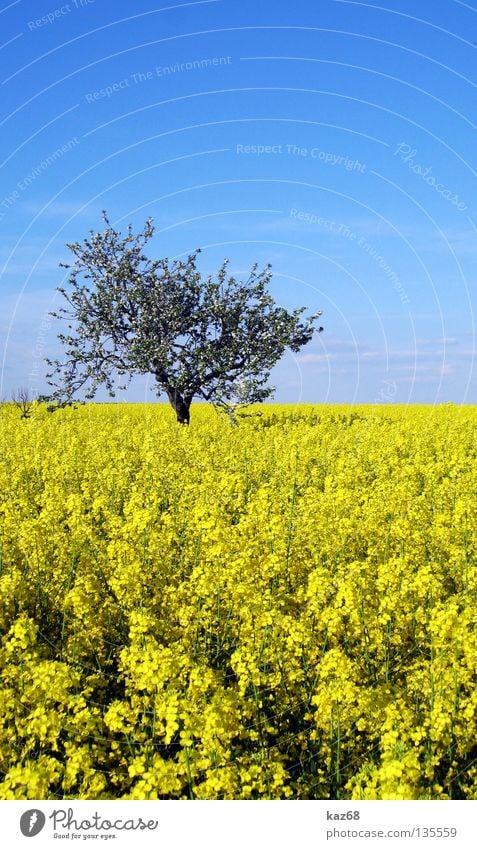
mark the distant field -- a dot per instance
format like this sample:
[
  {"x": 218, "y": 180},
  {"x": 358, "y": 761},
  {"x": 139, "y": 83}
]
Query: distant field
[{"x": 282, "y": 609}]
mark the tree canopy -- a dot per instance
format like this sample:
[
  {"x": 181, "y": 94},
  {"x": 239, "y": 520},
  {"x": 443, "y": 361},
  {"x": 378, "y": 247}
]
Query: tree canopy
[{"x": 213, "y": 339}]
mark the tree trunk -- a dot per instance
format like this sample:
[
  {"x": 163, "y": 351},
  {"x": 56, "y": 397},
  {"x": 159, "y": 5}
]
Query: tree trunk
[{"x": 180, "y": 404}]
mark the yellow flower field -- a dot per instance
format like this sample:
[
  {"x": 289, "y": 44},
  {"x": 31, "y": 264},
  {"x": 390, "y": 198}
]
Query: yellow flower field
[{"x": 282, "y": 609}]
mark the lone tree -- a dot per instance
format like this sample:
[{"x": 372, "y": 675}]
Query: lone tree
[
  {"x": 23, "y": 401},
  {"x": 212, "y": 339}
]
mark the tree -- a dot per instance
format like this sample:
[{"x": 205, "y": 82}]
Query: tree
[
  {"x": 23, "y": 401},
  {"x": 213, "y": 339}
]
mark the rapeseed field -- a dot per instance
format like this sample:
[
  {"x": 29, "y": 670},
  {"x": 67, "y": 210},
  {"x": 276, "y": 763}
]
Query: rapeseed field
[{"x": 285, "y": 608}]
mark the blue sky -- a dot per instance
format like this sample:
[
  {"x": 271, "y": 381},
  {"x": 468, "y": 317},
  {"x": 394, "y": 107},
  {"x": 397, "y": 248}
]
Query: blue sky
[{"x": 334, "y": 139}]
